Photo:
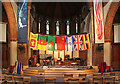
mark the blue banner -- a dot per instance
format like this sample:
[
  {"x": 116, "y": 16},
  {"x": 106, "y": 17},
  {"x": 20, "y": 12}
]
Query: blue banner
[{"x": 22, "y": 22}]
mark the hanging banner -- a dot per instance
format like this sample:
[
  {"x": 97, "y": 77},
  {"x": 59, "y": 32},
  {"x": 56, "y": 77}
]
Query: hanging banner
[
  {"x": 77, "y": 42},
  {"x": 60, "y": 42},
  {"x": 22, "y": 22},
  {"x": 42, "y": 42},
  {"x": 51, "y": 43},
  {"x": 33, "y": 40},
  {"x": 98, "y": 15},
  {"x": 69, "y": 43}
]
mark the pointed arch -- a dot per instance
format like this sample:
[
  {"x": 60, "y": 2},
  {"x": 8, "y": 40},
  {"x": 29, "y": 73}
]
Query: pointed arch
[
  {"x": 109, "y": 21},
  {"x": 11, "y": 19}
]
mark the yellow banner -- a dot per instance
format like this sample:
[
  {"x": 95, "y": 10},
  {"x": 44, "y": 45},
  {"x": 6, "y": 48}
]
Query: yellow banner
[{"x": 33, "y": 40}]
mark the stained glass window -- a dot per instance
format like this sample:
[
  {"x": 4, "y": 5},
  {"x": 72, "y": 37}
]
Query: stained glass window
[
  {"x": 68, "y": 27},
  {"x": 57, "y": 27},
  {"x": 39, "y": 25},
  {"x": 47, "y": 27},
  {"x": 76, "y": 25}
]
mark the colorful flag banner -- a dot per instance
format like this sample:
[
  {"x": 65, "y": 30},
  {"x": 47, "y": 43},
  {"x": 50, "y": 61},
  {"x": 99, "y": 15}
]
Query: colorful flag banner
[
  {"x": 42, "y": 42},
  {"x": 60, "y": 43},
  {"x": 73, "y": 43},
  {"x": 77, "y": 42},
  {"x": 87, "y": 36},
  {"x": 33, "y": 40},
  {"x": 22, "y": 22},
  {"x": 69, "y": 43},
  {"x": 51, "y": 43},
  {"x": 99, "y": 28}
]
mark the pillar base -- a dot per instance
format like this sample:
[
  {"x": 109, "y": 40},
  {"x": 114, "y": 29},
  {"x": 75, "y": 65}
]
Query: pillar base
[{"x": 11, "y": 69}]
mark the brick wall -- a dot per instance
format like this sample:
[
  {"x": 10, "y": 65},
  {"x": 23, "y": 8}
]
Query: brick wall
[
  {"x": 83, "y": 55},
  {"x": 97, "y": 55},
  {"x": 22, "y": 54}
]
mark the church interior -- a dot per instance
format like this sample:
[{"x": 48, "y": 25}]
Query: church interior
[{"x": 60, "y": 42}]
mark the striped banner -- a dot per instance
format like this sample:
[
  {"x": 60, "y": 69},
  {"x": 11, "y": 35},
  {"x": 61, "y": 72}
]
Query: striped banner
[{"x": 84, "y": 42}]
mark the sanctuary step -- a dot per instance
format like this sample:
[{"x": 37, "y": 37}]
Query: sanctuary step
[{"x": 56, "y": 72}]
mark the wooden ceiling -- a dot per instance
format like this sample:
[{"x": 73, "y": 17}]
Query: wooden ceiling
[{"x": 59, "y": 9}]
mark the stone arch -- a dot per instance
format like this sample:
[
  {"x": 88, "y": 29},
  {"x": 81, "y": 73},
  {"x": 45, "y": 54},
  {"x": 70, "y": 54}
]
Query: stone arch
[
  {"x": 13, "y": 32},
  {"x": 109, "y": 21},
  {"x": 108, "y": 32},
  {"x": 11, "y": 19}
]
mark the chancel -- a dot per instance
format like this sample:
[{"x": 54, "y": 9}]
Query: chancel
[{"x": 60, "y": 42}]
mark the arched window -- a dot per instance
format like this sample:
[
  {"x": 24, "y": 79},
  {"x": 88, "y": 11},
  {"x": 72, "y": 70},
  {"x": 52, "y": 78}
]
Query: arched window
[
  {"x": 76, "y": 25},
  {"x": 57, "y": 27},
  {"x": 68, "y": 27},
  {"x": 47, "y": 27},
  {"x": 39, "y": 25}
]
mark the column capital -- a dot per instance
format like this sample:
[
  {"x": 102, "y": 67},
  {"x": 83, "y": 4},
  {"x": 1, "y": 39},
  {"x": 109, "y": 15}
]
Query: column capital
[
  {"x": 29, "y": 5},
  {"x": 91, "y": 4}
]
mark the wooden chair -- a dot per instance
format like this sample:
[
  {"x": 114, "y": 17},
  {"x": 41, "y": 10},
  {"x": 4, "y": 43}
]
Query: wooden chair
[
  {"x": 72, "y": 80},
  {"x": 26, "y": 80},
  {"x": 106, "y": 74},
  {"x": 112, "y": 73},
  {"x": 19, "y": 79},
  {"x": 83, "y": 78},
  {"x": 97, "y": 79},
  {"x": 110, "y": 80},
  {"x": 9, "y": 78},
  {"x": 50, "y": 80},
  {"x": 68, "y": 75},
  {"x": 119, "y": 80},
  {"x": 117, "y": 76},
  {"x": 97, "y": 74},
  {"x": 3, "y": 78},
  {"x": 40, "y": 78},
  {"x": 41, "y": 72}
]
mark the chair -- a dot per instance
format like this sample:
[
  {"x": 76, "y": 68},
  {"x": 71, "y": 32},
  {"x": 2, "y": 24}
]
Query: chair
[
  {"x": 109, "y": 80},
  {"x": 97, "y": 74},
  {"x": 72, "y": 80},
  {"x": 117, "y": 76},
  {"x": 19, "y": 79},
  {"x": 9, "y": 78},
  {"x": 40, "y": 78},
  {"x": 3, "y": 78},
  {"x": 82, "y": 78},
  {"x": 112, "y": 73},
  {"x": 41, "y": 72},
  {"x": 68, "y": 75},
  {"x": 26, "y": 80},
  {"x": 50, "y": 80},
  {"x": 106, "y": 74},
  {"x": 97, "y": 79}
]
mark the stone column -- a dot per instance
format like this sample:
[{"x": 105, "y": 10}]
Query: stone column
[
  {"x": 107, "y": 53},
  {"x": 13, "y": 54},
  {"x": 28, "y": 29},
  {"x": 91, "y": 31}
]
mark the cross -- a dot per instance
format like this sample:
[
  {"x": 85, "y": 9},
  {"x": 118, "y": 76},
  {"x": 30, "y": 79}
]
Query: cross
[{"x": 78, "y": 42}]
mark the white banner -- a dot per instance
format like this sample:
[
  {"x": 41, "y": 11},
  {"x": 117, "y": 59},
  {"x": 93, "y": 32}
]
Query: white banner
[{"x": 98, "y": 15}]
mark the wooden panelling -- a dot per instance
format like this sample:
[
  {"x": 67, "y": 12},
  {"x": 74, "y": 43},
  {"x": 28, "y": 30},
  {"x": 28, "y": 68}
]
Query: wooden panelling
[{"x": 115, "y": 59}]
